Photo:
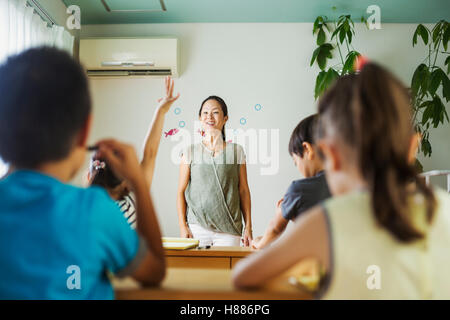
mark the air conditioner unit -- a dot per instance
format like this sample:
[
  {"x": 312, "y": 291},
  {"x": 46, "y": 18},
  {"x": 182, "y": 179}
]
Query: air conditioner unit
[{"x": 116, "y": 57}]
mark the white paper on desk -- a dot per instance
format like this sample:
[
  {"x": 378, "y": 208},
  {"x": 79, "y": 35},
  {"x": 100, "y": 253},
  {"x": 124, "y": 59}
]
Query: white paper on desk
[{"x": 179, "y": 245}]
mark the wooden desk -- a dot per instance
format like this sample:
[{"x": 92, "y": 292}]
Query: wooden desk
[
  {"x": 213, "y": 258},
  {"x": 205, "y": 284}
]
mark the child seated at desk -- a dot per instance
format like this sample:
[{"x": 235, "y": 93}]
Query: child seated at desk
[
  {"x": 304, "y": 193},
  {"x": 59, "y": 241},
  {"x": 100, "y": 174},
  {"x": 384, "y": 234}
]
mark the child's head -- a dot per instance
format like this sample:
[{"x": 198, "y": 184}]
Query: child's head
[
  {"x": 302, "y": 147},
  {"x": 213, "y": 115},
  {"x": 44, "y": 109},
  {"x": 100, "y": 174},
  {"x": 365, "y": 129}
]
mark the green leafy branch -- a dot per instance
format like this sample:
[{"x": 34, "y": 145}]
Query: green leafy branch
[
  {"x": 342, "y": 32},
  {"x": 428, "y": 108}
]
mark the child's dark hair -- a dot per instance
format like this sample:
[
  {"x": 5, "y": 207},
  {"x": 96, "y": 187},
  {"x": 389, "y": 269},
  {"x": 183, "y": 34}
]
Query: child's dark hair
[
  {"x": 223, "y": 106},
  {"x": 102, "y": 175},
  {"x": 370, "y": 112},
  {"x": 303, "y": 132},
  {"x": 44, "y": 102}
]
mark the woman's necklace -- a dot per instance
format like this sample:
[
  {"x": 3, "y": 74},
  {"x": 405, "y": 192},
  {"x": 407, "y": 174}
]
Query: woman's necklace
[{"x": 214, "y": 149}]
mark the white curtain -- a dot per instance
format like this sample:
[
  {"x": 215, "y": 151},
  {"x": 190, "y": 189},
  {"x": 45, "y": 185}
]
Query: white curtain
[{"x": 21, "y": 28}]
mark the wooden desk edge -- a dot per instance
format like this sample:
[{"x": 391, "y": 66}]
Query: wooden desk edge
[
  {"x": 167, "y": 294},
  {"x": 207, "y": 253}
]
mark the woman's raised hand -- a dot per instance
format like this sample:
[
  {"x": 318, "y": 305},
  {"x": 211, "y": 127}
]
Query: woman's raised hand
[{"x": 166, "y": 102}]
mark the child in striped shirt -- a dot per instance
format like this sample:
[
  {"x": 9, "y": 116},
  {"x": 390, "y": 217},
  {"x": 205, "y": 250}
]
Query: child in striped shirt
[{"x": 101, "y": 175}]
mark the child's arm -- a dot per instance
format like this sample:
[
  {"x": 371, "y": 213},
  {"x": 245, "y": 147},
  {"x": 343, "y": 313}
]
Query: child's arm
[
  {"x": 310, "y": 230},
  {"x": 154, "y": 134},
  {"x": 276, "y": 227},
  {"x": 244, "y": 193},
  {"x": 183, "y": 181},
  {"x": 123, "y": 160}
]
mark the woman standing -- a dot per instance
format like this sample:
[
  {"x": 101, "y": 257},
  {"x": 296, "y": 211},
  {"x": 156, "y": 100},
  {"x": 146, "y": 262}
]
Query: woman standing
[{"x": 213, "y": 195}]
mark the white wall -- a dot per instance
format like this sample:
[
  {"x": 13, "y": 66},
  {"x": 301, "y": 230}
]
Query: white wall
[{"x": 246, "y": 64}]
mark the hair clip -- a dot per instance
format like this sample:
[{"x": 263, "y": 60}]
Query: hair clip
[
  {"x": 97, "y": 164},
  {"x": 360, "y": 62}
]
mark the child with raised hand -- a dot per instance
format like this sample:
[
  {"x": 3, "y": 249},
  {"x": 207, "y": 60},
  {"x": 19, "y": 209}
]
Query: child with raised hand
[
  {"x": 304, "y": 193},
  {"x": 377, "y": 238},
  {"x": 49, "y": 228},
  {"x": 101, "y": 174}
]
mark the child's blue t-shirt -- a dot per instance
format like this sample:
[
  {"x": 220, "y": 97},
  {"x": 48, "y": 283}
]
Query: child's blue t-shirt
[{"x": 59, "y": 241}]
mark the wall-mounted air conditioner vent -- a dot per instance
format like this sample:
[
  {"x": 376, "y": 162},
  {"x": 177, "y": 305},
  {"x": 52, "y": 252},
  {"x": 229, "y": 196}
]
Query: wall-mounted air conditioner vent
[{"x": 116, "y": 57}]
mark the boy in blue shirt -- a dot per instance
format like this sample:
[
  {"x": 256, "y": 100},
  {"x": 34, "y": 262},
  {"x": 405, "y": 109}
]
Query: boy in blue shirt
[{"x": 59, "y": 241}]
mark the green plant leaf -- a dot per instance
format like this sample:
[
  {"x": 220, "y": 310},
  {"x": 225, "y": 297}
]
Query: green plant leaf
[
  {"x": 350, "y": 62},
  {"x": 418, "y": 166},
  {"x": 426, "y": 147},
  {"x": 438, "y": 111},
  {"x": 319, "y": 84},
  {"x": 446, "y": 36},
  {"x": 342, "y": 35},
  {"x": 335, "y": 32},
  {"x": 447, "y": 63},
  {"x": 422, "y": 32},
  {"x": 324, "y": 53},
  {"x": 324, "y": 80},
  {"x": 435, "y": 33},
  {"x": 414, "y": 41},
  {"x": 435, "y": 80},
  {"x": 445, "y": 87},
  {"x": 330, "y": 78},
  {"x": 316, "y": 25},
  {"x": 349, "y": 37},
  {"x": 314, "y": 56},
  {"x": 418, "y": 79},
  {"x": 425, "y": 104},
  {"x": 321, "y": 37},
  {"x": 428, "y": 113}
]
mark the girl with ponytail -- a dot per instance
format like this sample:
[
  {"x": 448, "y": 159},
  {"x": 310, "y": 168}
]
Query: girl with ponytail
[
  {"x": 385, "y": 234},
  {"x": 213, "y": 194}
]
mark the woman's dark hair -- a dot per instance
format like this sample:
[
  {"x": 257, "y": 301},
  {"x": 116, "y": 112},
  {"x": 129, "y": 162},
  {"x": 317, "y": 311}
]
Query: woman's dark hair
[
  {"x": 44, "y": 103},
  {"x": 303, "y": 132},
  {"x": 102, "y": 175},
  {"x": 370, "y": 112},
  {"x": 223, "y": 106}
]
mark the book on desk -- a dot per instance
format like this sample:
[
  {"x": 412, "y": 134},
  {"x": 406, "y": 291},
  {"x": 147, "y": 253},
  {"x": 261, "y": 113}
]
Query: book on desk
[{"x": 174, "y": 243}]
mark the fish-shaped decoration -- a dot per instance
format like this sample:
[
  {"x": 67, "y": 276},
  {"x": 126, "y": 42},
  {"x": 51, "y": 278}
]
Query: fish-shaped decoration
[{"x": 171, "y": 132}]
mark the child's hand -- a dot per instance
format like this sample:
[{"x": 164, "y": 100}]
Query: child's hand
[
  {"x": 256, "y": 242},
  {"x": 122, "y": 159},
  {"x": 166, "y": 102},
  {"x": 279, "y": 202}
]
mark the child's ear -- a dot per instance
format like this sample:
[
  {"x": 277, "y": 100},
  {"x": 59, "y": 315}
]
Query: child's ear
[
  {"x": 84, "y": 132},
  {"x": 332, "y": 157},
  {"x": 308, "y": 151},
  {"x": 226, "y": 118}
]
